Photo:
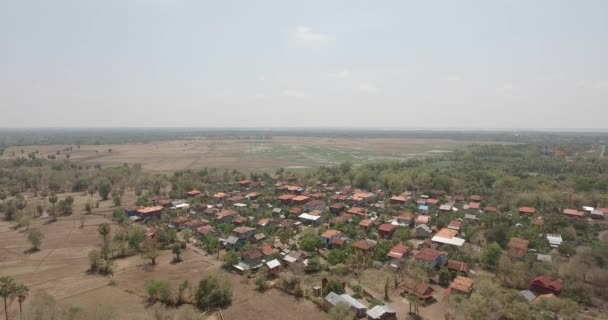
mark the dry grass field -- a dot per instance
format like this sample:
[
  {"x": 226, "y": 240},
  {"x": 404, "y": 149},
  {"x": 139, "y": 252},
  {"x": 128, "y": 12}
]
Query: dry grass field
[
  {"x": 247, "y": 155},
  {"x": 59, "y": 268}
]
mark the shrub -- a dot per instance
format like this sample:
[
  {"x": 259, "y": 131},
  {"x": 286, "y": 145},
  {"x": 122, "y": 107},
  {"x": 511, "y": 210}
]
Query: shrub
[{"x": 213, "y": 293}]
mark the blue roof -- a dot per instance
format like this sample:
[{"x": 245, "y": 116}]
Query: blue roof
[{"x": 423, "y": 207}]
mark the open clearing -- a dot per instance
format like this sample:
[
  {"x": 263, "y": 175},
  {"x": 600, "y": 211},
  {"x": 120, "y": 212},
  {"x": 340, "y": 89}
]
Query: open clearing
[
  {"x": 249, "y": 154},
  {"x": 60, "y": 267}
]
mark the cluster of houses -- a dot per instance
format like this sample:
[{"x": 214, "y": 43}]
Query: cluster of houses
[{"x": 294, "y": 207}]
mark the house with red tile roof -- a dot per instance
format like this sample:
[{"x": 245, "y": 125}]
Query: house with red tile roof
[
  {"x": 366, "y": 224},
  {"x": 397, "y": 255},
  {"x": 364, "y": 245},
  {"x": 546, "y": 285},
  {"x": 387, "y": 230},
  {"x": 458, "y": 266},
  {"x": 400, "y": 200},
  {"x": 421, "y": 290},
  {"x": 300, "y": 200},
  {"x": 476, "y": 198},
  {"x": 573, "y": 213},
  {"x": 193, "y": 193},
  {"x": 461, "y": 284},
  {"x": 329, "y": 235},
  {"x": 431, "y": 258},
  {"x": 337, "y": 207},
  {"x": 357, "y": 211},
  {"x": 526, "y": 210}
]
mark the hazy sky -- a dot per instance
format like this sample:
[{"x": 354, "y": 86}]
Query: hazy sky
[{"x": 397, "y": 64}]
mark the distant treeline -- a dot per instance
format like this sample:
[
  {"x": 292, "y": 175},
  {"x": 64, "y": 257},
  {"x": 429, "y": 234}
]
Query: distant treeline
[{"x": 23, "y": 137}]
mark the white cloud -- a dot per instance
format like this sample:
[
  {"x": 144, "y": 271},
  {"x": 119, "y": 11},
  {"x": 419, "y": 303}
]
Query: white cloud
[
  {"x": 261, "y": 78},
  {"x": 342, "y": 74},
  {"x": 453, "y": 77},
  {"x": 368, "y": 88},
  {"x": 259, "y": 96},
  {"x": 291, "y": 93},
  {"x": 307, "y": 34}
]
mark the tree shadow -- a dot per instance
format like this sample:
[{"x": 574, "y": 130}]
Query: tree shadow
[{"x": 31, "y": 250}]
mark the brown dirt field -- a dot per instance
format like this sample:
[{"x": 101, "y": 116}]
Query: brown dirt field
[
  {"x": 167, "y": 156},
  {"x": 60, "y": 269}
]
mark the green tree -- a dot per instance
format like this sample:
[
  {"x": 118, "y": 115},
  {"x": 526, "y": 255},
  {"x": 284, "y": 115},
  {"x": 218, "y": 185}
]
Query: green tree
[
  {"x": 176, "y": 248},
  {"x": 21, "y": 292},
  {"x": 444, "y": 277},
  {"x": 8, "y": 288},
  {"x": 104, "y": 230},
  {"x": 104, "y": 189},
  {"x": 34, "y": 236},
  {"x": 53, "y": 199},
  {"x": 88, "y": 207},
  {"x": 213, "y": 293},
  {"x": 21, "y": 203},
  {"x": 313, "y": 266},
  {"x": 491, "y": 254},
  {"x": 150, "y": 250},
  {"x": 341, "y": 311},
  {"x": 230, "y": 258}
]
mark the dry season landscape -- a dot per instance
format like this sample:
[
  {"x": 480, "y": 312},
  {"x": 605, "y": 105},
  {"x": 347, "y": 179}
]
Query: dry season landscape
[
  {"x": 247, "y": 154},
  {"x": 60, "y": 268}
]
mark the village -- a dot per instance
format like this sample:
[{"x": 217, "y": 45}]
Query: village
[{"x": 417, "y": 241}]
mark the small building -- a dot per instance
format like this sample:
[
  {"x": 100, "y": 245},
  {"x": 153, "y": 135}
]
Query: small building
[
  {"x": 555, "y": 240},
  {"x": 333, "y": 299},
  {"x": 476, "y": 198},
  {"x": 244, "y": 233},
  {"x": 474, "y": 206},
  {"x": 597, "y": 215},
  {"x": 545, "y": 285},
  {"x": 455, "y": 225},
  {"x": 382, "y": 312},
  {"x": 431, "y": 258},
  {"x": 432, "y": 202},
  {"x": 526, "y": 210},
  {"x": 286, "y": 198},
  {"x": 337, "y": 207},
  {"x": 458, "y": 266},
  {"x": 252, "y": 258},
  {"x": 329, "y": 235},
  {"x": 422, "y": 219},
  {"x": 252, "y": 196},
  {"x": 316, "y": 205},
  {"x": 300, "y": 200},
  {"x": 274, "y": 267},
  {"x": 422, "y": 290},
  {"x": 461, "y": 284},
  {"x": 423, "y": 208},
  {"x": 517, "y": 247},
  {"x": 397, "y": 255},
  {"x": 490, "y": 210},
  {"x": 422, "y": 231},
  {"x": 448, "y": 236},
  {"x": 357, "y": 211},
  {"x": 193, "y": 193},
  {"x": 296, "y": 211},
  {"x": 269, "y": 252},
  {"x": 405, "y": 219},
  {"x": 245, "y": 183},
  {"x": 573, "y": 213},
  {"x": 445, "y": 207},
  {"x": 387, "y": 230},
  {"x": 310, "y": 219},
  {"x": 398, "y": 200},
  {"x": 205, "y": 230},
  {"x": 150, "y": 212},
  {"x": 366, "y": 224},
  {"x": 364, "y": 245},
  {"x": 220, "y": 197},
  {"x": 226, "y": 216}
]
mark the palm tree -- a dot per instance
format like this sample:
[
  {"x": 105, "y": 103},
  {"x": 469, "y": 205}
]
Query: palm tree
[
  {"x": 21, "y": 293},
  {"x": 53, "y": 199},
  {"x": 7, "y": 291},
  {"x": 104, "y": 230}
]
